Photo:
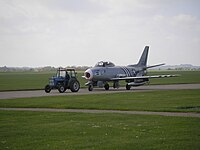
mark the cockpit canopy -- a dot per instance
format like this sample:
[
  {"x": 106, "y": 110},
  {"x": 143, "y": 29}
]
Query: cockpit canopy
[{"x": 104, "y": 64}]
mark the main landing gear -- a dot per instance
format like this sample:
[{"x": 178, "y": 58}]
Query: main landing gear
[
  {"x": 91, "y": 87},
  {"x": 128, "y": 87},
  {"x": 107, "y": 87}
]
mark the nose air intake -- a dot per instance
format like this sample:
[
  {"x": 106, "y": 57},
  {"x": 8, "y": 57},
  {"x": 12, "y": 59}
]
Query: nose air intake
[{"x": 88, "y": 74}]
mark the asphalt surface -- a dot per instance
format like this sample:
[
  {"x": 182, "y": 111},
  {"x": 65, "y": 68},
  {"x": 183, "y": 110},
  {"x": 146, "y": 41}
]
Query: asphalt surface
[
  {"x": 84, "y": 91},
  {"x": 174, "y": 114}
]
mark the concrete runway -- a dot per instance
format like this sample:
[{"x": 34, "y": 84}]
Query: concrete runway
[{"x": 84, "y": 91}]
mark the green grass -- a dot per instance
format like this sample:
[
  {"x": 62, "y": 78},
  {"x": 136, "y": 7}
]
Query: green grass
[
  {"x": 50, "y": 131},
  {"x": 185, "y": 77},
  {"x": 173, "y": 100},
  {"x": 23, "y": 80},
  {"x": 37, "y": 80},
  {"x": 27, "y": 80}
]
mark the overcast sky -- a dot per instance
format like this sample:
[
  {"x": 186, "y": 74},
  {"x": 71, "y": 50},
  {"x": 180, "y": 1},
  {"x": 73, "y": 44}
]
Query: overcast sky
[{"x": 38, "y": 33}]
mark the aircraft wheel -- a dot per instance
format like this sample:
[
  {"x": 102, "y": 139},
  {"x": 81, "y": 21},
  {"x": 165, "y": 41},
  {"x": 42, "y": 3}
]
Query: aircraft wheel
[
  {"x": 106, "y": 86},
  {"x": 90, "y": 87},
  {"x": 61, "y": 89},
  {"x": 47, "y": 89},
  {"x": 128, "y": 87}
]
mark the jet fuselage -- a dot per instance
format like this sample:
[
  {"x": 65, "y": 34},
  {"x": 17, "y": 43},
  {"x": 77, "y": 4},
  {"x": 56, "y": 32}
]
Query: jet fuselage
[{"x": 108, "y": 73}]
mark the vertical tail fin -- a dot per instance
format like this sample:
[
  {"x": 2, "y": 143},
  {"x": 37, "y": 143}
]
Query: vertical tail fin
[{"x": 143, "y": 59}]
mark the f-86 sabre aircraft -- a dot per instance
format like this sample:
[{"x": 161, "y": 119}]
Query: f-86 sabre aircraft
[{"x": 134, "y": 75}]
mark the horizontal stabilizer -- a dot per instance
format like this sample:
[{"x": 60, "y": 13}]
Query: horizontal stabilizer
[{"x": 154, "y": 66}]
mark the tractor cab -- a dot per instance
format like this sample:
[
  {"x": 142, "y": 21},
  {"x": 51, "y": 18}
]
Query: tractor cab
[{"x": 66, "y": 73}]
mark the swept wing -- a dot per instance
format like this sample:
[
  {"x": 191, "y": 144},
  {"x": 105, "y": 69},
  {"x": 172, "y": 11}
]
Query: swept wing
[{"x": 143, "y": 77}]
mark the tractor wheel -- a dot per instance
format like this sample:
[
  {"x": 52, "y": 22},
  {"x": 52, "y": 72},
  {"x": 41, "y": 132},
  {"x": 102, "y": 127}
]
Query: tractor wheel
[
  {"x": 106, "y": 86},
  {"x": 74, "y": 86},
  {"x": 128, "y": 87},
  {"x": 47, "y": 89},
  {"x": 90, "y": 88},
  {"x": 61, "y": 89}
]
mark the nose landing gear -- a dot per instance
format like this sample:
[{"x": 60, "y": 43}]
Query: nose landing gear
[{"x": 90, "y": 87}]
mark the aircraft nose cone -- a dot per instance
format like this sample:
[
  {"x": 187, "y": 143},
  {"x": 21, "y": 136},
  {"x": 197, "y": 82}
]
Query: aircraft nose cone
[{"x": 88, "y": 74}]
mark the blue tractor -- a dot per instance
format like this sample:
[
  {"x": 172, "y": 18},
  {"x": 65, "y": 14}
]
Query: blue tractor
[{"x": 64, "y": 79}]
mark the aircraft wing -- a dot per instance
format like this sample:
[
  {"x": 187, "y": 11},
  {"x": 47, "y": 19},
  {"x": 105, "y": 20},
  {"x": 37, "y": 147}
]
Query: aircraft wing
[{"x": 144, "y": 77}]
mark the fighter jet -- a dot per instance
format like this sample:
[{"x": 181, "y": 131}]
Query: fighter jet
[{"x": 134, "y": 75}]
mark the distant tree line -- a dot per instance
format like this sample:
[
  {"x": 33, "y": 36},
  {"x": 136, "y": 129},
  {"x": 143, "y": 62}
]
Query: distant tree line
[
  {"x": 83, "y": 68},
  {"x": 39, "y": 69}
]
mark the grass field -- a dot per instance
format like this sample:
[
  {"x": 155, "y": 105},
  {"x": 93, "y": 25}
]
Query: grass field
[
  {"x": 185, "y": 77},
  {"x": 27, "y": 80},
  {"x": 50, "y": 131},
  {"x": 47, "y": 130},
  {"x": 37, "y": 80},
  {"x": 176, "y": 100}
]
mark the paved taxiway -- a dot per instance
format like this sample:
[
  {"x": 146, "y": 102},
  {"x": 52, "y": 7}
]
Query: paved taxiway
[
  {"x": 83, "y": 91},
  {"x": 93, "y": 111}
]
